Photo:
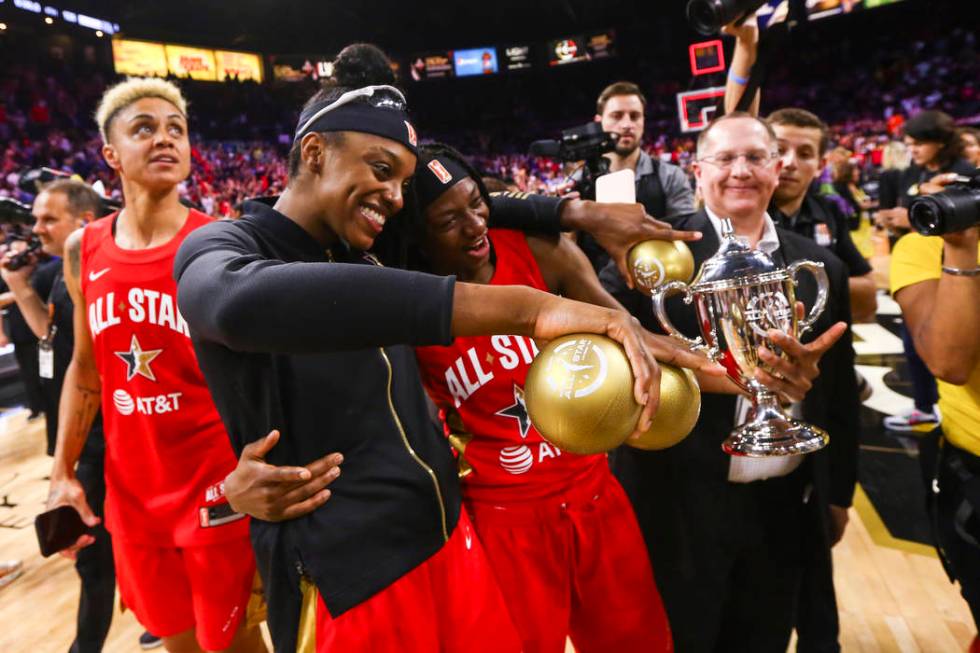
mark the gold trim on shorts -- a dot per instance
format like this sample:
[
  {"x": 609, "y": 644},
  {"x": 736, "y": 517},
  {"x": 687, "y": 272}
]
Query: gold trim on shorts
[{"x": 306, "y": 638}]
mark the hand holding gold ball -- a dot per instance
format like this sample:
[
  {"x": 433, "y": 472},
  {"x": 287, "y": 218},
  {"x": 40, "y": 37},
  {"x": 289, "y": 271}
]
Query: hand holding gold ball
[{"x": 653, "y": 263}]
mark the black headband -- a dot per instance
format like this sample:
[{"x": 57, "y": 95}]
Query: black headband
[
  {"x": 434, "y": 175},
  {"x": 385, "y": 121}
]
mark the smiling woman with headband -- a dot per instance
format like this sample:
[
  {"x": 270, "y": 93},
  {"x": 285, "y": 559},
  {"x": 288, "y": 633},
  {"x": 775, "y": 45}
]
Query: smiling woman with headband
[
  {"x": 297, "y": 330},
  {"x": 525, "y": 496}
]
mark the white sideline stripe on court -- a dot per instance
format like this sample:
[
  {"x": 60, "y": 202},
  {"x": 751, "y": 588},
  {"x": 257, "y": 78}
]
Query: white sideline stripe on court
[
  {"x": 883, "y": 399},
  {"x": 887, "y": 305},
  {"x": 876, "y": 339}
]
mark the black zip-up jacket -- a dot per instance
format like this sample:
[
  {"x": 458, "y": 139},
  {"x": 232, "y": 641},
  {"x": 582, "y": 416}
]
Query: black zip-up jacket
[{"x": 322, "y": 351}]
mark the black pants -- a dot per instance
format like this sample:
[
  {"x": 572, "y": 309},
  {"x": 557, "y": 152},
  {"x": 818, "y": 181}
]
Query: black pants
[
  {"x": 817, "y": 624},
  {"x": 26, "y": 355},
  {"x": 924, "y": 391},
  {"x": 956, "y": 522},
  {"x": 95, "y": 568},
  {"x": 727, "y": 558},
  {"x": 51, "y": 393}
]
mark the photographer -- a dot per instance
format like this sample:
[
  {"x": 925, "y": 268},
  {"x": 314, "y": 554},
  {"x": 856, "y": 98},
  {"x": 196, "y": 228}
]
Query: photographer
[
  {"x": 936, "y": 281},
  {"x": 936, "y": 148},
  {"x": 61, "y": 208},
  {"x": 17, "y": 331},
  {"x": 662, "y": 188}
]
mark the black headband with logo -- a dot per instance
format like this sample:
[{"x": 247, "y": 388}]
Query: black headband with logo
[
  {"x": 434, "y": 175},
  {"x": 378, "y": 110}
]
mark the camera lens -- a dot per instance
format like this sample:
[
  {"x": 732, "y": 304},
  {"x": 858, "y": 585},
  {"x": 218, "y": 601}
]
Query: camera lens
[
  {"x": 952, "y": 210},
  {"x": 926, "y": 216},
  {"x": 705, "y": 15}
]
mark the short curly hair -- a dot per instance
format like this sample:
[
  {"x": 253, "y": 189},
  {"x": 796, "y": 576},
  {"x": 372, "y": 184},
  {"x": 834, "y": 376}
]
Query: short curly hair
[{"x": 123, "y": 94}]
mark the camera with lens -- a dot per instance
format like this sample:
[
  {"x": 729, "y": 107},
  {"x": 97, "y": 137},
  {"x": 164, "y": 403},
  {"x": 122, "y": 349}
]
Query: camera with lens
[
  {"x": 14, "y": 213},
  {"x": 954, "y": 209},
  {"x": 25, "y": 256},
  {"x": 709, "y": 16},
  {"x": 586, "y": 143},
  {"x": 34, "y": 180}
]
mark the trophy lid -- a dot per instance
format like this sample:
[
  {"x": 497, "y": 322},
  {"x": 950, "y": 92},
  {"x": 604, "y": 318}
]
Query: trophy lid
[{"x": 735, "y": 263}]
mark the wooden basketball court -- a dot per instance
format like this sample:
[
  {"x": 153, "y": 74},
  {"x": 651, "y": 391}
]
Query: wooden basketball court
[{"x": 893, "y": 595}]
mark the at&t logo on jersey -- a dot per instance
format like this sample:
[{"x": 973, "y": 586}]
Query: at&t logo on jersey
[
  {"x": 126, "y": 404},
  {"x": 520, "y": 459},
  {"x": 516, "y": 460}
]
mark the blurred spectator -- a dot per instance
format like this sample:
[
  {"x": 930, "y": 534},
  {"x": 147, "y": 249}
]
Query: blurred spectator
[{"x": 971, "y": 145}]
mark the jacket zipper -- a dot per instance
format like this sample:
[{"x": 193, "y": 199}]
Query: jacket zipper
[{"x": 411, "y": 452}]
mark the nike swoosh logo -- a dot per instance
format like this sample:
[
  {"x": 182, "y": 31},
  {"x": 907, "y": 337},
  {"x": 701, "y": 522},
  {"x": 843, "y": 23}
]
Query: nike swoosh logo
[{"x": 93, "y": 276}]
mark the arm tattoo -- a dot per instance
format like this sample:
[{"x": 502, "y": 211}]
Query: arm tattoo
[
  {"x": 84, "y": 414},
  {"x": 75, "y": 255}
]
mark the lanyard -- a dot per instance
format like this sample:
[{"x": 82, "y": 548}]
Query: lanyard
[{"x": 52, "y": 327}]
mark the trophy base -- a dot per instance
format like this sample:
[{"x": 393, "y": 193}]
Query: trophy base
[
  {"x": 771, "y": 432},
  {"x": 775, "y": 438}
]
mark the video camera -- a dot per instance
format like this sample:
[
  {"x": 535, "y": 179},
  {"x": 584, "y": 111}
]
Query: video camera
[
  {"x": 586, "y": 143},
  {"x": 954, "y": 209},
  {"x": 15, "y": 213},
  {"x": 15, "y": 222},
  {"x": 33, "y": 181}
]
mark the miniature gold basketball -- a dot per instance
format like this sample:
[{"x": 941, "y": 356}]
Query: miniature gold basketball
[
  {"x": 680, "y": 407},
  {"x": 655, "y": 262},
  {"x": 579, "y": 394}
]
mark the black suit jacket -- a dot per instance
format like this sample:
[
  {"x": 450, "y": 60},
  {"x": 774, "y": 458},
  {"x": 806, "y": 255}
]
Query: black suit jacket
[{"x": 687, "y": 481}]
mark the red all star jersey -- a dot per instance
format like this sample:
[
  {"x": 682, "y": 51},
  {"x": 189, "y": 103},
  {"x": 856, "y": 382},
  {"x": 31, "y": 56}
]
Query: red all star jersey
[
  {"x": 167, "y": 452},
  {"x": 482, "y": 379}
]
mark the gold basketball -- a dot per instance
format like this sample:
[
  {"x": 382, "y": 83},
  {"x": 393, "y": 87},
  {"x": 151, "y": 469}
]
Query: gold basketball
[
  {"x": 680, "y": 407},
  {"x": 579, "y": 394},
  {"x": 655, "y": 262}
]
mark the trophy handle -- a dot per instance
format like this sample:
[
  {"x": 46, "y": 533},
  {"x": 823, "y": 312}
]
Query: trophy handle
[
  {"x": 659, "y": 297},
  {"x": 823, "y": 286}
]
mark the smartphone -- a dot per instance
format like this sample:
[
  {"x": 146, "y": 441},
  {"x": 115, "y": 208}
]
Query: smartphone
[{"x": 58, "y": 529}]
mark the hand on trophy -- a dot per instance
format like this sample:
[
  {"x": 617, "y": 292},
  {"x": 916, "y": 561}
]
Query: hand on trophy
[
  {"x": 749, "y": 320},
  {"x": 791, "y": 375},
  {"x": 666, "y": 350}
]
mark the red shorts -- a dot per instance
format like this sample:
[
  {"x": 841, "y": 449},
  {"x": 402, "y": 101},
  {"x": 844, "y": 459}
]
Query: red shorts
[
  {"x": 450, "y": 602},
  {"x": 575, "y": 565},
  {"x": 172, "y": 590}
]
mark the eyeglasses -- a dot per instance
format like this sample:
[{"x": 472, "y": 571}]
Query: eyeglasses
[
  {"x": 381, "y": 96},
  {"x": 754, "y": 159}
]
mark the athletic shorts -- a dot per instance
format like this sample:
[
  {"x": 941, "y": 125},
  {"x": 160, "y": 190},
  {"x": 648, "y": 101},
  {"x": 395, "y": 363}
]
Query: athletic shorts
[
  {"x": 450, "y": 602},
  {"x": 575, "y": 565},
  {"x": 171, "y": 590}
]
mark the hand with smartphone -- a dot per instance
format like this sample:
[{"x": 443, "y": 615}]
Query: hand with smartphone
[
  {"x": 59, "y": 529},
  {"x": 66, "y": 531}
]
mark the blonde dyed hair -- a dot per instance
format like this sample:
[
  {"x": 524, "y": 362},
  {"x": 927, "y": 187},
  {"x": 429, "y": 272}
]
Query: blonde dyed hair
[{"x": 123, "y": 94}]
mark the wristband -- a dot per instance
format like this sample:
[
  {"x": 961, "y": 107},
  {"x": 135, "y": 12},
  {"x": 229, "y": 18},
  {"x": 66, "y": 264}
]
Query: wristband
[
  {"x": 741, "y": 81},
  {"x": 962, "y": 272}
]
